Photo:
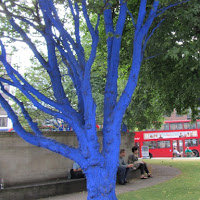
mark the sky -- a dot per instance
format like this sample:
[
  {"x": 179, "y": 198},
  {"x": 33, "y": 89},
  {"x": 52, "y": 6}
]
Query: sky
[{"x": 21, "y": 56}]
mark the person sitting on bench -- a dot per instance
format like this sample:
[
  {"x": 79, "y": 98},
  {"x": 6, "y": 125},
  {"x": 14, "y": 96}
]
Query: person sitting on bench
[
  {"x": 123, "y": 168},
  {"x": 76, "y": 171},
  {"x": 176, "y": 153},
  {"x": 189, "y": 152},
  {"x": 133, "y": 159}
]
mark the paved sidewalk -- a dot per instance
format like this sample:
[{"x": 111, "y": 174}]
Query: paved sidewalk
[{"x": 160, "y": 174}]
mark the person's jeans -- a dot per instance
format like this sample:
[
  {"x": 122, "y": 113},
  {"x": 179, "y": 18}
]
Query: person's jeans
[
  {"x": 76, "y": 174},
  {"x": 122, "y": 172},
  {"x": 143, "y": 168}
]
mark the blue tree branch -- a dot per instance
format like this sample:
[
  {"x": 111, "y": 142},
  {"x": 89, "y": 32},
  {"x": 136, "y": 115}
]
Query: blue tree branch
[
  {"x": 32, "y": 124},
  {"x": 150, "y": 57},
  {"x": 31, "y": 24},
  {"x": 75, "y": 78},
  {"x": 53, "y": 70},
  {"x": 141, "y": 14},
  {"x": 113, "y": 48},
  {"x": 80, "y": 50},
  {"x": 49, "y": 8},
  {"x": 109, "y": 27},
  {"x": 26, "y": 88},
  {"x": 7, "y": 81},
  {"x": 53, "y": 16},
  {"x": 162, "y": 10},
  {"x": 90, "y": 61},
  {"x": 133, "y": 21},
  {"x": 65, "y": 38},
  {"x": 39, "y": 140},
  {"x": 110, "y": 96},
  {"x": 149, "y": 36},
  {"x": 140, "y": 33},
  {"x": 85, "y": 14},
  {"x": 71, "y": 118},
  {"x": 28, "y": 41}
]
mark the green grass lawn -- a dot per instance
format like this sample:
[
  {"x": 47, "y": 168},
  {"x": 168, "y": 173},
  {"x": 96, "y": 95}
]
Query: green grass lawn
[{"x": 183, "y": 187}]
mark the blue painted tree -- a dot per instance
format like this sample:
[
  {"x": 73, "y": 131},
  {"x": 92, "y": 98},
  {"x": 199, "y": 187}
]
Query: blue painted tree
[{"x": 100, "y": 166}]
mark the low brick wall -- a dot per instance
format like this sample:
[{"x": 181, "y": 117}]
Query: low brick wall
[
  {"x": 43, "y": 190},
  {"x": 22, "y": 163}
]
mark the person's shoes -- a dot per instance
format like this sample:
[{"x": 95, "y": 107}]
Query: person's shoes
[
  {"x": 122, "y": 183},
  {"x": 143, "y": 177},
  {"x": 150, "y": 175},
  {"x": 125, "y": 181}
]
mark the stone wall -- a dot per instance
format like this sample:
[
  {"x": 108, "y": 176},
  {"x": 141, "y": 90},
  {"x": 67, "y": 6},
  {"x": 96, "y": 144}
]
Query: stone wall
[{"x": 22, "y": 163}]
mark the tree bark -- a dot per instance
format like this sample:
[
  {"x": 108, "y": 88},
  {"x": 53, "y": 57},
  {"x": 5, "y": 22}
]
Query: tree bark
[{"x": 101, "y": 184}]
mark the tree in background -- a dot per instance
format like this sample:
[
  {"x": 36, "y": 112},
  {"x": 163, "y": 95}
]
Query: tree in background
[
  {"x": 47, "y": 19},
  {"x": 167, "y": 80},
  {"x": 170, "y": 70}
]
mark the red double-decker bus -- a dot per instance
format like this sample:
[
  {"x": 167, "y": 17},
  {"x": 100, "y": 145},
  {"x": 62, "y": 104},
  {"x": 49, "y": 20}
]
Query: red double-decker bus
[{"x": 179, "y": 134}]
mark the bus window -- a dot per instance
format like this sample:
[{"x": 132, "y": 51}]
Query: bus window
[
  {"x": 180, "y": 145},
  {"x": 191, "y": 143},
  {"x": 186, "y": 125},
  {"x": 151, "y": 144},
  {"x": 176, "y": 126},
  {"x": 193, "y": 126},
  {"x": 174, "y": 143},
  {"x": 164, "y": 144},
  {"x": 150, "y": 129},
  {"x": 189, "y": 126},
  {"x": 165, "y": 127},
  {"x": 198, "y": 124}
]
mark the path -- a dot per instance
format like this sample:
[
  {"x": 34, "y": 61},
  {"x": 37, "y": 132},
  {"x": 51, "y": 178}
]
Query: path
[{"x": 160, "y": 174}]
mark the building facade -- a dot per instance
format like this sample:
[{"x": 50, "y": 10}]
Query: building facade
[
  {"x": 175, "y": 117},
  {"x": 5, "y": 122}
]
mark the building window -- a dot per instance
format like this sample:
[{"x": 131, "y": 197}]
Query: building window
[{"x": 3, "y": 121}]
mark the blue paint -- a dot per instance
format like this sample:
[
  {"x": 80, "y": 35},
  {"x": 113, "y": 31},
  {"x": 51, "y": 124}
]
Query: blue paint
[{"x": 100, "y": 167}]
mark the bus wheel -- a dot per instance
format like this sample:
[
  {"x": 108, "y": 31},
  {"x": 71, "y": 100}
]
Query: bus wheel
[
  {"x": 150, "y": 155},
  {"x": 196, "y": 153}
]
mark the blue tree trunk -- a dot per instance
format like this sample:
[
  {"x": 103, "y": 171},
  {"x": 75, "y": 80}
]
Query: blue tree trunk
[
  {"x": 101, "y": 183},
  {"x": 100, "y": 167},
  {"x": 101, "y": 177}
]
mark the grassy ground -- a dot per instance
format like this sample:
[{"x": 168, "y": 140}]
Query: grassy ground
[{"x": 183, "y": 187}]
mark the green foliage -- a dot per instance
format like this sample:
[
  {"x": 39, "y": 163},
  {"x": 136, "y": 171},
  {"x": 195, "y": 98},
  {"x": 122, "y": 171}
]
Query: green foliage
[
  {"x": 174, "y": 73},
  {"x": 170, "y": 79},
  {"x": 167, "y": 81}
]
